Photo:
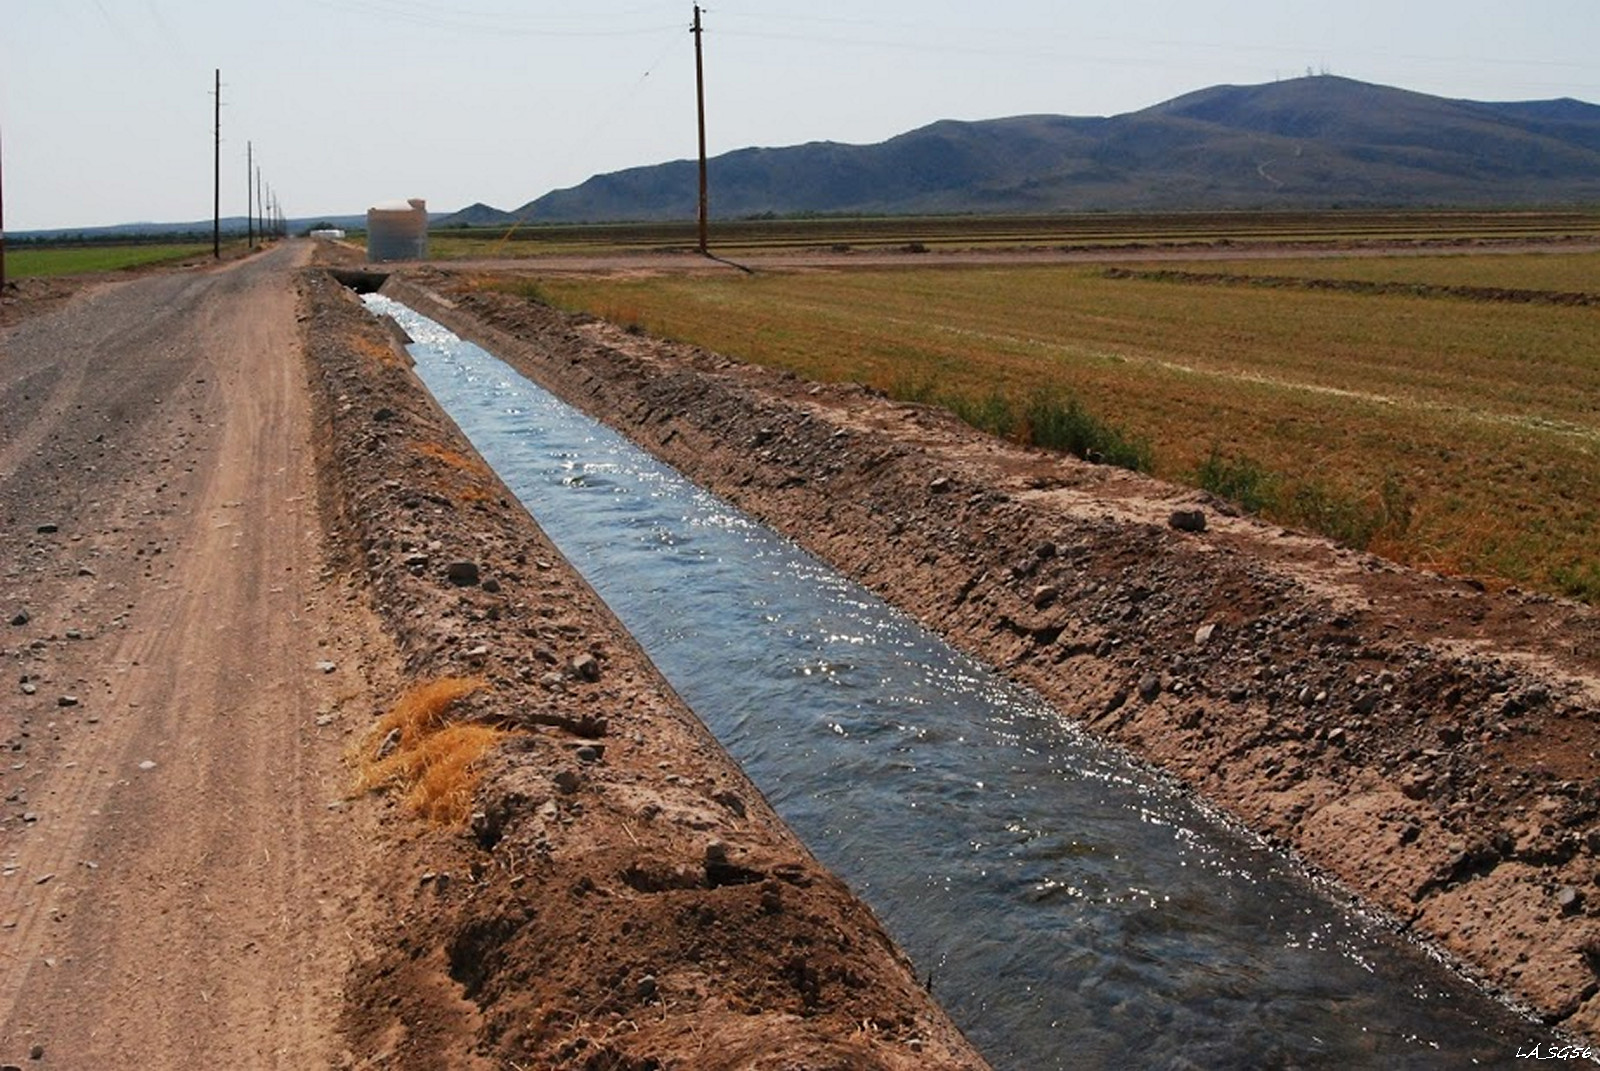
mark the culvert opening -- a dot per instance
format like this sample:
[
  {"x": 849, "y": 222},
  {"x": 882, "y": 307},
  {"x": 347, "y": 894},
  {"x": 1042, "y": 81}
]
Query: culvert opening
[{"x": 362, "y": 282}]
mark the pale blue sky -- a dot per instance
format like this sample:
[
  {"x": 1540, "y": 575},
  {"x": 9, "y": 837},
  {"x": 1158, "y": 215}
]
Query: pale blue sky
[{"x": 105, "y": 105}]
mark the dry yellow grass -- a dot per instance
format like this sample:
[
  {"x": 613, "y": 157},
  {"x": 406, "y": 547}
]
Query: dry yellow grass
[
  {"x": 373, "y": 350},
  {"x": 1458, "y": 434},
  {"x": 435, "y": 763},
  {"x": 453, "y": 458}
]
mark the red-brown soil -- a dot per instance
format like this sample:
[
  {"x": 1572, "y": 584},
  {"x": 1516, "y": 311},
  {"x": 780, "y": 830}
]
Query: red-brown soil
[{"x": 1428, "y": 744}]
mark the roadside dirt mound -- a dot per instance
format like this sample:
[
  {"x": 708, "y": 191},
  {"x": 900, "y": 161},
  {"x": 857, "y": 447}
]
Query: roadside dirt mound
[
  {"x": 624, "y": 898},
  {"x": 1429, "y": 745}
]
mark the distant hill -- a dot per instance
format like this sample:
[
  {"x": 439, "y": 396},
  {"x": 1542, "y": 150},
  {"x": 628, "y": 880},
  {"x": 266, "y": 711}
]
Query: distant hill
[
  {"x": 476, "y": 215},
  {"x": 1317, "y": 142}
]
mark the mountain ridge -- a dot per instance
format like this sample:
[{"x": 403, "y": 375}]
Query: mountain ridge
[{"x": 1307, "y": 143}]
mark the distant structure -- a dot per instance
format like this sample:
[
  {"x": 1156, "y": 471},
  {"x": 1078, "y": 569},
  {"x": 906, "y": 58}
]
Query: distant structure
[
  {"x": 398, "y": 230},
  {"x": 329, "y": 233}
]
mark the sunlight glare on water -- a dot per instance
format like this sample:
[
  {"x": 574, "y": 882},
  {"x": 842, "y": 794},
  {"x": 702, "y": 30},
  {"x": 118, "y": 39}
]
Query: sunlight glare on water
[{"x": 1071, "y": 909}]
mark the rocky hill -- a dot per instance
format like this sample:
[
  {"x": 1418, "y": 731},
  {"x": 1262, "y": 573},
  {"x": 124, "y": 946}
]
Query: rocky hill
[{"x": 1312, "y": 143}]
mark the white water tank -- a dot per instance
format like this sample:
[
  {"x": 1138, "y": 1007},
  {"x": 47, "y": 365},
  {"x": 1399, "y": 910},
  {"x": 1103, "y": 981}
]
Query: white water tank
[{"x": 398, "y": 230}]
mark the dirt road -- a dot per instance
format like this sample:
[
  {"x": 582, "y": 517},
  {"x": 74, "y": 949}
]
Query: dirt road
[{"x": 177, "y": 874}]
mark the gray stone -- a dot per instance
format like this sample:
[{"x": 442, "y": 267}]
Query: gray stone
[
  {"x": 462, "y": 573},
  {"x": 1203, "y": 634},
  {"x": 326, "y": 667},
  {"x": 940, "y": 486},
  {"x": 67, "y": 701},
  {"x": 1569, "y": 900},
  {"x": 1188, "y": 520},
  {"x": 1149, "y": 687},
  {"x": 567, "y": 781},
  {"x": 1044, "y": 595},
  {"x": 29, "y": 688},
  {"x": 20, "y": 618},
  {"x": 586, "y": 667}
]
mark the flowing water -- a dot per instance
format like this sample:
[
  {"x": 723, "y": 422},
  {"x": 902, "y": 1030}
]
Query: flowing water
[{"x": 1072, "y": 909}]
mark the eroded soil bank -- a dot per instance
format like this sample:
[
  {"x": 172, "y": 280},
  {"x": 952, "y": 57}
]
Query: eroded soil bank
[
  {"x": 1428, "y": 744},
  {"x": 624, "y": 898}
]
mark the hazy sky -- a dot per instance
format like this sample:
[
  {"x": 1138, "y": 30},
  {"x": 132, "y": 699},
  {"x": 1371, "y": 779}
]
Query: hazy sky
[{"x": 106, "y": 108}]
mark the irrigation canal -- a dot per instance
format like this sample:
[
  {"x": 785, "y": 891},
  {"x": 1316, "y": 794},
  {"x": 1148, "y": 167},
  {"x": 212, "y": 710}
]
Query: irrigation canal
[{"x": 1072, "y": 909}]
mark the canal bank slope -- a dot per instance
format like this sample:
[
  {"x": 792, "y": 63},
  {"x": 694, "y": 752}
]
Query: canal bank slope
[
  {"x": 622, "y": 897},
  {"x": 1428, "y": 744}
]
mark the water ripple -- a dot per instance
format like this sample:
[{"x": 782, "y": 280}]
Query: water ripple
[{"x": 1071, "y": 909}]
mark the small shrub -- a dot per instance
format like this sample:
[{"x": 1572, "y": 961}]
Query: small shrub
[
  {"x": 1241, "y": 481},
  {"x": 1058, "y": 423},
  {"x": 1315, "y": 506},
  {"x": 994, "y": 414},
  {"x": 1349, "y": 520},
  {"x": 1580, "y": 580}
]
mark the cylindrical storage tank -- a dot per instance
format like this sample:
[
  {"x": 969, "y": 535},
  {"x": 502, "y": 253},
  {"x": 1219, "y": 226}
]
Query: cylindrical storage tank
[{"x": 398, "y": 230}]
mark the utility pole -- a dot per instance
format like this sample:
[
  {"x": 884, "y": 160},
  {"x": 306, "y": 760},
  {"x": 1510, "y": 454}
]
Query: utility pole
[
  {"x": 2, "y": 234},
  {"x": 261, "y": 206},
  {"x": 700, "y": 98},
  {"x": 249, "y": 193},
  {"x": 216, "y": 188}
]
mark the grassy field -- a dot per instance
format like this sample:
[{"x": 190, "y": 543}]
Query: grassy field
[
  {"x": 1457, "y": 434},
  {"x": 1090, "y": 231},
  {"x": 82, "y": 260}
]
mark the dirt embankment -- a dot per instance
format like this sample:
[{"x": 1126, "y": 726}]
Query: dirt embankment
[
  {"x": 625, "y": 898},
  {"x": 1429, "y": 745}
]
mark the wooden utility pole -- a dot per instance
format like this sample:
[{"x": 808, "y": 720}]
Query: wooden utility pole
[
  {"x": 216, "y": 188},
  {"x": 261, "y": 206},
  {"x": 249, "y": 193},
  {"x": 700, "y": 97},
  {"x": 2, "y": 233}
]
